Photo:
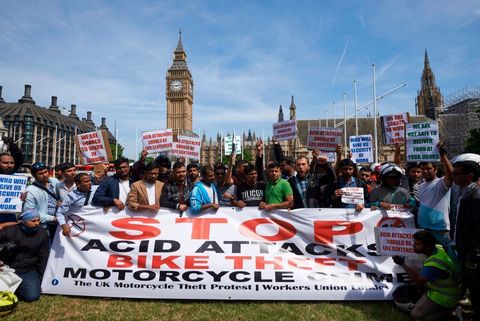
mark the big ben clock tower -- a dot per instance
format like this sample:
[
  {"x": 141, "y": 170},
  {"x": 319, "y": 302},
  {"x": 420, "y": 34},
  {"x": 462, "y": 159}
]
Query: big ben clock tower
[{"x": 179, "y": 88}]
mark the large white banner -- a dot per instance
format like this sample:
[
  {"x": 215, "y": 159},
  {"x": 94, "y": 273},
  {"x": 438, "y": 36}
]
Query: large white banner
[
  {"x": 285, "y": 130},
  {"x": 157, "y": 141},
  {"x": 307, "y": 254}
]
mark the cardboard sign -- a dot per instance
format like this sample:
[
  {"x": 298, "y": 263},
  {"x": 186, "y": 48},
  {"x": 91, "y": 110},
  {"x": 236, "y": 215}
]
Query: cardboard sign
[
  {"x": 395, "y": 241},
  {"x": 157, "y": 141},
  {"x": 285, "y": 130},
  {"x": 422, "y": 140},
  {"x": 324, "y": 139},
  {"x": 393, "y": 127},
  {"x": 352, "y": 195},
  {"x": 229, "y": 144},
  {"x": 361, "y": 148},
  {"x": 188, "y": 147},
  {"x": 93, "y": 147},
  {"x": 222, "y": 255},
  {"x": 11, "y": 187}
]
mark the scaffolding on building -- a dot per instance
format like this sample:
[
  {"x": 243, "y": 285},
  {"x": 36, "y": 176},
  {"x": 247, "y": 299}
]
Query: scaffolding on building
[{"x": 461, "y": 95}]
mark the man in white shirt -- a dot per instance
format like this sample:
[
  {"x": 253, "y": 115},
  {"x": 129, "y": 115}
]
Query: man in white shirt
[
  {"x": 434, "y": 197},
  {"x": 113, "y": 191},
  {"x": 145, "y": 194}
]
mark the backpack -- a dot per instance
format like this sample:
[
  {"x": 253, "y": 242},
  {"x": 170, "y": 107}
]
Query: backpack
[{"x": 8, "y": 302}]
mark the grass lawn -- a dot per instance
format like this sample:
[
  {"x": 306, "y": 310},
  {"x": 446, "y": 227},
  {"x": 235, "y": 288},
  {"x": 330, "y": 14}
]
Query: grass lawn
[{"x": 51, "y": 307}]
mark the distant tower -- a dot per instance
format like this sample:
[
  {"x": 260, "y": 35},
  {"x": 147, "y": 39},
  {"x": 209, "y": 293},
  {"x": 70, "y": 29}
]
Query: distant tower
[
  {"x": 179, "y": 92},
  {"x": 429, "y": 100},
  {"x": 293, "y": 110},
  {"x": 280, "y": 114}
]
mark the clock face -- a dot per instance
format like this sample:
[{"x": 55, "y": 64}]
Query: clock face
[{"x": 176, "y": 85}]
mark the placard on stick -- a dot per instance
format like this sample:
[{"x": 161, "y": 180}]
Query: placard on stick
[
  {"x": 361, "y": 148},
  {"x": 421, "y": 142},
  {"x": 93, "y": 147},
  {"x": 393, "y": 128},
  {"x": 395, "y": 241},
  {"x": 285, "y": 130},
  {"x": 11, "y": 187},
  {"x": 157, "y": 141},
  {"x": 323, "y": 138},
  {"x": 186, "y": 146}
]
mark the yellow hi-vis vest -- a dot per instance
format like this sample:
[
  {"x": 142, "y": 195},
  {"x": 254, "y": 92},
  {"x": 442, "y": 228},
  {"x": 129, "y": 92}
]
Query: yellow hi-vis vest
[{"x": 444, "y": 292}]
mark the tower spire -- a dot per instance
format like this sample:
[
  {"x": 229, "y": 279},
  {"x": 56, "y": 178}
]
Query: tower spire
[
  {"x": 426, "y": 63},
  {"x": 429, "y": 101},
  {"x": 280, "y": 114},
  {"x": 292, "y": 110},
  {"x": 179, "y": 48}
]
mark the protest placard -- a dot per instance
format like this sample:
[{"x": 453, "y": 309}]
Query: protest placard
[
  {"x": 11, "y": 187},
  {"x": 361, "y": 148},
  {"x": 285, "y": 130},
  {"x": 421, "y": 141},
  {"x": 352, "y": 195},
  {"x": 186, "y": 146},
  {"x": 229, "y": 144},
  {"x": 395, "y": 241},
  {"x": 157, "y": 141},
  {"x": 393, "y": 128},
  {"x": 93, "y": 147},
  {"x": 323, "y": 138}
]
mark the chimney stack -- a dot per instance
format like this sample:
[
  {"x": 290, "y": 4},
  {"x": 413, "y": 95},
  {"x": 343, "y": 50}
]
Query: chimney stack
[
  {"x": 73, "y": 111},
  {"x": 104, "y": 124},
  {"x": 53, "y": 105},
  {"x": 27, "y": 98},
  {"x": 1, "y": 99},
  {"x": 89, "y": 116}
]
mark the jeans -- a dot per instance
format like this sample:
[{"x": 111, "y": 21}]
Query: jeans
[{"x": 30, "y": 288}]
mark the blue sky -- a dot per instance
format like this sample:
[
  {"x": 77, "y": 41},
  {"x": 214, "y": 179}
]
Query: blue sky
[{"x": 246, "y": 57}]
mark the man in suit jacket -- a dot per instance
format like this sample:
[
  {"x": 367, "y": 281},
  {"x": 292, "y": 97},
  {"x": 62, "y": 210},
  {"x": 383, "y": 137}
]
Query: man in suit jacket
[
  {"x": 113, "y": 190},
  {"x": 145, "y": 194}
]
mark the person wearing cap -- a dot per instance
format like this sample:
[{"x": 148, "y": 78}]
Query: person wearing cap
[
  {"x": 193, "y": 171},
  {"x": 390, "y": 194},
  {"x": 27, "y": 254},
  {"x": 434, "y": 197},
  {"x": 332, "y": 196},
  {"x": 466, "y": 172},
  {"x": 113, "y": 191},
  {"x": 74, "y": 200},
  {"x": 41, "y": 196}
]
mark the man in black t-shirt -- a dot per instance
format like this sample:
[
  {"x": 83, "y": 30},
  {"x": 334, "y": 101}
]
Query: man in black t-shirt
[{"x": 251, "y": 192}]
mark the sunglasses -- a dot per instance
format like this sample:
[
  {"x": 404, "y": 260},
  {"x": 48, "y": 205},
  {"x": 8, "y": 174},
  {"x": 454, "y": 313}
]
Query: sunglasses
[{"x": 38, "y": 166}]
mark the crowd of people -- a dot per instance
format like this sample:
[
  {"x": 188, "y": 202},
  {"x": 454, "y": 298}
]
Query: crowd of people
[{"x": 444, "y": 198}]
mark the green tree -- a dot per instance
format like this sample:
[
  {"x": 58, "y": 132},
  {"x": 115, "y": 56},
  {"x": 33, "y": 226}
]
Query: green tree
[
  {"x": 472, "y": 144},
  {"x": 113, "y": 148}
]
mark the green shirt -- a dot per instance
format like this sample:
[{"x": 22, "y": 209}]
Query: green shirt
[{"x": 275, "y": 193}]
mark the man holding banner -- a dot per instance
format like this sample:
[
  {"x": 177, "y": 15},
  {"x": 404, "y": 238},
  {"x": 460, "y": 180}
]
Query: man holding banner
[
  {"x": 145, "y": 194},
  {"x": 113, "y": 191},
  {"x": 204, "y": 193},
  {"x": 278, "y": 192}
]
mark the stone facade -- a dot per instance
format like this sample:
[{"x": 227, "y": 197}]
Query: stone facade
[
  {"x": 429, "y": 100},
  {"x": 45, "y": 134}
]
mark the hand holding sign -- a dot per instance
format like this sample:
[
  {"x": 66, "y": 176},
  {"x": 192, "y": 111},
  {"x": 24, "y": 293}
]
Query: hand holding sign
[{"x": 352, "y": 195}]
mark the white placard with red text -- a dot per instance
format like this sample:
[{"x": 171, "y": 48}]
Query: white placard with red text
[
  {"x": 157, "y": 141},
  {"x": 285, "y": 130},
  {"x": 231, "y": 254},
  {"x": 94, "y": 147},
  {"x": 324, "y": 139},
  {"x": 394, "y": 128},
  {"x": 395, "y": 241},
  {"x": 353, "y": 195},
  {"x": 186, "y": 146}
]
